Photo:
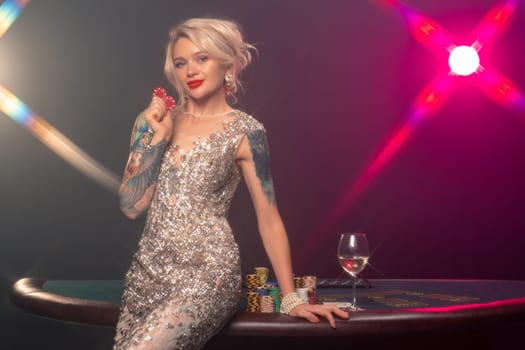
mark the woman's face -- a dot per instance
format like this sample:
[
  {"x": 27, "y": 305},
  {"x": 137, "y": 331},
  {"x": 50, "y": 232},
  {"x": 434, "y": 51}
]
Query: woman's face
[{"x": 200, "y": 74}]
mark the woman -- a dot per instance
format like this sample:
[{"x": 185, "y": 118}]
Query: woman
[{"x": 184, "y": 281}]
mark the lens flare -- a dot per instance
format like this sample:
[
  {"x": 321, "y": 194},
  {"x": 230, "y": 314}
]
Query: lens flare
[
  {"x": 494, "y": 23},
  {"x": 501, "y": 89},
  {"x": 463, "y": 60},
  {"x": 56, "y": 141},
  {"x": 47, "y": 134},
  {"x": 9, "y": 11}
]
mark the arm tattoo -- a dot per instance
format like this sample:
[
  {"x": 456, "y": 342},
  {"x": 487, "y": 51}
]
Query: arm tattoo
[
  {"x": 143, "y": 165},
  {"x": 141, "y": 134},
  {"x": 261, "y": 158}
]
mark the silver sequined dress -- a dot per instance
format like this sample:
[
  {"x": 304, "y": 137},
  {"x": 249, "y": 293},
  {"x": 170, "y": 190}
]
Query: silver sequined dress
[{"x": 184, "y": 282}]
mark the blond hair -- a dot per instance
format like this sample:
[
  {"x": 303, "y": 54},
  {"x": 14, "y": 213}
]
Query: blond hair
[{"x": 222, "y": 39}]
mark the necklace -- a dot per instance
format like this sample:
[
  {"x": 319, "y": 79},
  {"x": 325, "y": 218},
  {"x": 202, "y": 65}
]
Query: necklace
[{"x": 207, "y": 116}]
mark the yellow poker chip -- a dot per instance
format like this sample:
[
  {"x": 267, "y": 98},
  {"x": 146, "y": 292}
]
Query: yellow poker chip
[{"x": 252, "y": 281}]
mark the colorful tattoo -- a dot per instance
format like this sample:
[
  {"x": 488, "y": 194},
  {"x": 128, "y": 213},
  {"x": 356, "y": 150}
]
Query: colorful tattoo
[
  {"x": 142, "y": 168},
  {"x": 261, "y": 158},
  {"x": 141, "y": 135}
]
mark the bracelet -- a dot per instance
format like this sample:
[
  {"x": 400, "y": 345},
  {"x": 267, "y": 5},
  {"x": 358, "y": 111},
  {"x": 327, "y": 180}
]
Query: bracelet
[{"x": 290, "y": 301}]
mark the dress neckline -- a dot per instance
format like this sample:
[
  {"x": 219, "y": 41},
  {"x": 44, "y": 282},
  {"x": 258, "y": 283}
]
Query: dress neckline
[
  {"x": 179, "y": 156},
  {"x": 226, "y": 125}
]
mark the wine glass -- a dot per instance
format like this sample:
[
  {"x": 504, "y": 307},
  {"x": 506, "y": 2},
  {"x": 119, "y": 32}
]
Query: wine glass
[{"x": 353, "y": 256}]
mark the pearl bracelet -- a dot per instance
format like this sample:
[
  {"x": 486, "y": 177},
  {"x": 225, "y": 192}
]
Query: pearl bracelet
[{"x": 289, "y": 301}]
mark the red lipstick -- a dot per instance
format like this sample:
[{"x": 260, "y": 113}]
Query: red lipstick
[{"x": 193, "y": 84}]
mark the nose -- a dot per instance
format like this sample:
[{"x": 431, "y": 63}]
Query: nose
[{"x": 191, "y": 69}]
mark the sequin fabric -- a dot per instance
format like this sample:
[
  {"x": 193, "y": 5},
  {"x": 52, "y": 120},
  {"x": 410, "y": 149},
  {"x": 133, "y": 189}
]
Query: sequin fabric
[{"x": 184, "y": 282}]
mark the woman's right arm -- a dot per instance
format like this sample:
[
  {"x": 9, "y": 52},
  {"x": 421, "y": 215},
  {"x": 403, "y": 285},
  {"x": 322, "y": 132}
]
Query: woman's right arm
[{"x": 149, "y": 138}]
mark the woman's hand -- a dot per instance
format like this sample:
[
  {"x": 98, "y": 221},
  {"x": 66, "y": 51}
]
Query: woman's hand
[
  {"x": 159, "y": 119},
  {"x": 311, "y": 313}
]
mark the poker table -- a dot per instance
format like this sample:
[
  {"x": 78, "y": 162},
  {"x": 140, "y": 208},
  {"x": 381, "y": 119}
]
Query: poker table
[{"x": 408, "y": 313}]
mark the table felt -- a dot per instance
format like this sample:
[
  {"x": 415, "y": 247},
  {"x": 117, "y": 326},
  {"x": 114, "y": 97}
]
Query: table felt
[{"x": 383, "y": 294}]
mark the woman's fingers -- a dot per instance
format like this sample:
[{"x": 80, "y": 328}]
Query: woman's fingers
[
  {"x": 309, "y": 316},
  {"x": 338, "y": 311},
  {"x": 159, "y": 119},
  {"x": 158, "y": 108},
  {"x": 155, "y": 112},
  {"x": 167, "y": 120},
  {"x": 328, "y": 315},
  {"x": 310, "y": 312}
]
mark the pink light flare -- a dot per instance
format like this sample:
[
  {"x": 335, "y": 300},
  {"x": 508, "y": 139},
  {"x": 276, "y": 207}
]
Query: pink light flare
[
  {"x": 423, "y": 28},
  {"x": 501, "y": 90},
  {"x": 508, "y": 303},
  {"x": 430, "y": 34},
  {"x": 463, "y": 60},
  {"x": 494, "y": 23},
  {"x": 427, "y": 103}
]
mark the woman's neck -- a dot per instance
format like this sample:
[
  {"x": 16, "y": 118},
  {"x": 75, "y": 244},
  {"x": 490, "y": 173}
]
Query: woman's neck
[{"x": 207, "y": 108}]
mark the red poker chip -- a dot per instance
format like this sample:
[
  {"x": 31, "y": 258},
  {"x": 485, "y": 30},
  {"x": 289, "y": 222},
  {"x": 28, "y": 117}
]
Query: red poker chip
[
  {"x": 159, "y": 92},
  {"x": 169, "y": 101}
]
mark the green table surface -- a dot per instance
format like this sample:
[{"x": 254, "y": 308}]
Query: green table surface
[{"x": 383, "y": 294}]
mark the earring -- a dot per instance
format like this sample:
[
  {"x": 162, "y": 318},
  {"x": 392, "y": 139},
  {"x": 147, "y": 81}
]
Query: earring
[{"x": 228, "y": 83}]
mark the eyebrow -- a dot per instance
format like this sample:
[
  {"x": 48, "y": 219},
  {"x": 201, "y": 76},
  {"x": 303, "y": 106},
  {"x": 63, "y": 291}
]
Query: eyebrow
[{"x": 194, "y": 54}]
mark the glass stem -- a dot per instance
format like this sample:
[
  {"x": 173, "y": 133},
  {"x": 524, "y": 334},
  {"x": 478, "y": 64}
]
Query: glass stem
[{"x": 354, "y": 302}]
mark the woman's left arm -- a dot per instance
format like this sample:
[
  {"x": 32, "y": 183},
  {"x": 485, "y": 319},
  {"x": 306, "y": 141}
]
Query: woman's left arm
[{"x": 253, "y": 159}]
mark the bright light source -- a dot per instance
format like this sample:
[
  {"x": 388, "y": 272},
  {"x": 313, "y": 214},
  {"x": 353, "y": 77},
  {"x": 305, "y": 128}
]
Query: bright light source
[{"x": 463, "y": 60}]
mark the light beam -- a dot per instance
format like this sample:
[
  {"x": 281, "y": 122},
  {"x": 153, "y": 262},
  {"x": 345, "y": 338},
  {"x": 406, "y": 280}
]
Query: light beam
[
  {"x": 56, "y": 141},
  {"x": 46, "y": 133},
  {"x": 431, "y": 35},
  {"x": 9, "y": 11}
]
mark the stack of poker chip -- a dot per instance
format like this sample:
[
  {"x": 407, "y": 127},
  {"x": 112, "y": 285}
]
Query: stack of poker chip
[
  {"x": 262, "y": 273},
  {"x": 298, "y": 282},
  {"x": 267, "y": 304},
  {"x": 263, "y": 295},
  {"x": 253, "y": 298},
  {"x": 256, "y": 289},
  {"x": 253, "y": 302},
  {"x": 252, "y": 281},
  {"x": 262, "y": 290},
  {"x": 275, "y": 293},
  {"x": 310, "y": 282}
]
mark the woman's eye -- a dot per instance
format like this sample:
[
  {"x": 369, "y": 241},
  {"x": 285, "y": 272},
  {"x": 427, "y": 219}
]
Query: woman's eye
[
  {"x": 202, "y": 58},
  {"x": 179, "y": 64}
]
